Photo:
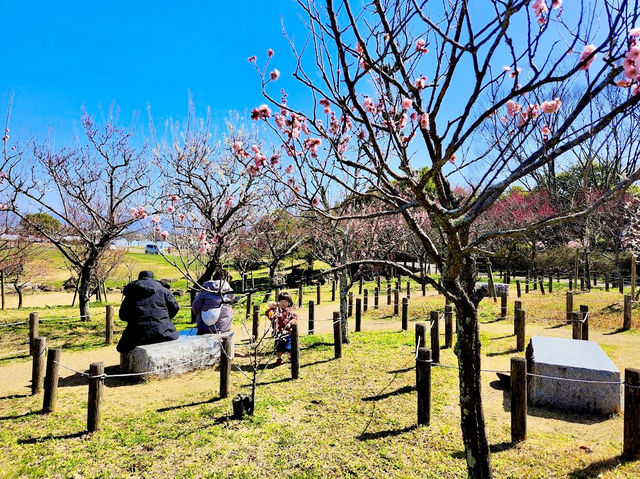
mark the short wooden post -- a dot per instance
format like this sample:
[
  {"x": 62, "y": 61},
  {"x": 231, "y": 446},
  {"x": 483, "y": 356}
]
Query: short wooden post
[
  {"x": 448, "y": 326},
  {"x": 38, "y": 364},
  {"x": 94, "y": 405},
  {"x": 435, "y": 336},
  {"x": 295, "y": 352},
  {"x": 2, "y": 287},
  {"x": 358, "y": 314},
  {"x": 520, "y": 333},
  {"x": 405, "y": 314},
  {"x": 621, "y": 285},
  {"x": 255, "y": 322},
  {"x": 318, "y": 294},
  {"x": 631, "y": 447},
  {"x": 409, "y": 289},
  {"x": 421, "y": 335},
  {"x": 424, "y": 289},
  {"x": 365, "y": 301},
  {"x": 535, "y": 282},
  {"x": 333, "y": 290},
  {"x": 581, "y": 283},
  {"x": 606, "y": 282},
  {"x": 518, "y": 399},
  {"x": 311, "y": 318},
  {"x": 51, "y": 381},
  {"x": 584, "y": 317},
  {"x": 518, "y": 288},
  {"x": 626, "y": 322},
  {"x": 248, "y": 305},
  {"x": 633, "y": 276},
  {"x": 571, "y": 283},
  {"x": 34, "y": 330},
  {"x": 595, "y": 279},
  {"x": 503, "y": 305},
  {"x": 517, "y": 306},
  {"x": 542, "y": 286},
  {"x": 360, "y": 286},
  {"x": 396, "y": 302},
  {"x": 225, "y": 366},
  {"x": 350, "y": 305},
  {"x": 337, "y": 335},
  {"x": 550, "y": 283},
  {"x": 388, "y": 293},
  {"x": 109, "y": 324},
  {"x": 376, "y": 298},
  {"x": 423, "y": 386},
  {"x": 526, "y": 287},
  {"x": 576, "y": 326},
  {"x": 300, "y": 295},
  {"x": 569, "y": 305}
]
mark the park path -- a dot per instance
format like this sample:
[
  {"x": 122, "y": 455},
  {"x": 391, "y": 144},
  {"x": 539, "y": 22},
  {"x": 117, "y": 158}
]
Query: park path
[{"x": 623, "y": 349}]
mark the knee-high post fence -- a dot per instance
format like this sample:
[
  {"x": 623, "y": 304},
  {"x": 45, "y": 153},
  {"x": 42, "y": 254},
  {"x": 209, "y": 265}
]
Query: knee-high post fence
[
  {"x": 423, "y": 385},
  {"x": 311, "y": 318},
  {"x": 358, "y": 314},
  {"x": 337, "y": 335},
  {"x": 626, "y": 319},
  {"x": 365, "y": 301},
  {"x": 350, "y": 305},
  {"x": 520, "y": 329},
  {"x": 50, "y": 399},
  {"x": 388, "y": 293},
  {"x": 405, "y": 314},
  {"x": 584, "y": 321},
  {"x": 109, "y": 324},
  {"x": 295, "y": 352},
  {"x": 518, "y": 288},
  {"x": 396, "y": 302},
  {"x": 255, "y": 322},
  {"x": 448, "y": 326},
  {"x": 518, "y": 399},
  {"x": 96, "y": 391},
  {"x": 318, "y": 294},
  {"x": 517, "y": 306},
  {"x": 421, "y": 335},
  {"x": 569, "y": 305},
  {"x": 435, "y": 336},
  {"x": 503, "y": 305},
  {"x": 376, "y": 298},
  {"x": 225, "y": 367},
  {"x": 38, "y": 364}
]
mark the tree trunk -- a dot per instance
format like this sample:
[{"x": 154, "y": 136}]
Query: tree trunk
[
  {"x": 471, "y": 416},
  {"x": 587, "y": 269},
  {"x": 344, "y": 292},
  {"x": 84, "y": 291},
  {"x": 19, "y": 291}
]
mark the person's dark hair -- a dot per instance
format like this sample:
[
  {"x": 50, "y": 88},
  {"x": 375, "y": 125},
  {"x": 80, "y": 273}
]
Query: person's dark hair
[
  {"x": 145, "y": 275},
  {"x": 285, "y": 296},
  {"x": 220, "y": 275}
]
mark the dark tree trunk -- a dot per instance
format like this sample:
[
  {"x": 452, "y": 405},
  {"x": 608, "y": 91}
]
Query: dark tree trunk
[
  {"x": 84, "y": 293},
  {"x": 19, "y": 291},
  {"x": 344, "y": 292}
]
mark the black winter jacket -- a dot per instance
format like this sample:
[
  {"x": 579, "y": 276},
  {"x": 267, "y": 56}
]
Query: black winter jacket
[{"x": 147, "y": 308}]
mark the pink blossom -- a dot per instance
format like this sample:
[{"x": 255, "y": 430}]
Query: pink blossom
[
  {"x": 540, "y": 245},
  {"x": 229, "y": 201},
  {"x": 155, "y": 219},
  {"x": 403, "y": 121},
  {"x": 255, "y": 149},
  {"x": 452, "y": 158},
  {"x": 289, "y": 169},
  {"x": 623, "y": 83},
  {"x": 368, "y": 105},
  {"x": 237, "y": 146},
  {"x": 574, "y": 244},
  {"x": 634, "y": 32},
  {"x": 421, "y": 82},
  {"x": 506, "y": 68},
  {"x": 316, "y": 202},
  {"x": 540, "y": 8},
  {"x": 407, "y": 103},
  {"x": 164, "y": 235},
  {"x": 174, "y": 199},
  {"x": 312, "y": 145},
  {"x": 170, "y": 209},
  {"x": 359, "y": 48},
  {"x": 545, "y": 130},
  {"x": 261, "y": 113},
  {"x": 550, "y": 106},
  {"x": 534, "y": 111},
  {"x": 269, "y": 53},
  {"x": 556, "y": 4},
  {"x": 274, "y": 159},
  {"x": 523, "y": 118},
  {"x": 421, "y": 46},
  {"x": 586, "y": 52},
  {"x": 133, "y": 211},
  {"x": 424, "y": 121},
  {"x": 252, "y": 59},
  {"x": 182, "y": 217},
  {"x": 274, "y": 74},
  {"x": 513, "y": 108},
  {"x": 216, "y": 238},
  {"x": 157, "y": 228},
  {"x": 202, "y": 235}
]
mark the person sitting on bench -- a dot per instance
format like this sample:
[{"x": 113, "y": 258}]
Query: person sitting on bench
[{"x": 147, "y": 308}]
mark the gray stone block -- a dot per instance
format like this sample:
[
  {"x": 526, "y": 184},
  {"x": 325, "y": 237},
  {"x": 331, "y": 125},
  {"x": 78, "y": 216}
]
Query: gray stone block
[
  {"x": 483, "y": 289},
  {"x": 174, "y": 357},
  {"x": 573, "y": 359}
]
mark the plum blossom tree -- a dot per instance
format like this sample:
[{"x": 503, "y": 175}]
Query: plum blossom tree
[
  {"x": 87, "y": 188},
  {"x": 401, "y": 96}
]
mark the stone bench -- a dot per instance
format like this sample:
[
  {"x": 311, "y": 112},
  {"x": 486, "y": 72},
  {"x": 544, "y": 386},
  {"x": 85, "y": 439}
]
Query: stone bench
[
  {"x": 574, "y": 359},
  {"x": 174, "y": 357},
  {"x": 483, "y": 289}
]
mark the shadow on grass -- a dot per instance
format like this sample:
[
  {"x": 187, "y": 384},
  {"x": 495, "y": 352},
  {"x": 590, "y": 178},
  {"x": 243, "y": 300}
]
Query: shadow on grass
[
  {"x": 557, "y": 326},
  {"x": 321, "y": 361},
  {"x": 597, "y": 468},
  {"x": 366, "y": 436},
  {"x": 317, "y": 345},
  {"x": 15, "y": 396},
  {"x": 397, "y": 392},
  {"x": 617, "y": 331},
  {"x": 566, "y": 415},
  {"x": 501, "y": 353},
  {"x": 502, "y": 337},
  {"x": 36, "y": 440},
  {"x": 493, "y": 448},
  {"x": 192, "y": 404},
  {"x": 78, "y": 379},
  {"x": 19, "y": 416},
  {"x": 405, "y": 370}
]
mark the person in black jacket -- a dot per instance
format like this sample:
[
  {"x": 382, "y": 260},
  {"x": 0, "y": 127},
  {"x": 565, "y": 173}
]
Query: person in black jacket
[{"x": 147, "y": 308}]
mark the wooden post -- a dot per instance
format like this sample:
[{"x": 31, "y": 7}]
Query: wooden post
[
  {"x": 337, "y": 336},
  {"x": 534, "y": 281},
  {"x": 388, "y": 293},
  {"x": 584, "y": 317},
  {"x": 2, "y": 286},
  {"x": 378, "y": 282},
  {"x": 520, "y": 334},
  {"x": 192, "y": 297},
  {"x": 423, "y": 386},
  {"x": 492, "y": 288},
  {"x": 518, "y": 399},
  {"x": 38, "y": 364},
  {"x": 621, "y": 285},
  {"x": 569, "y": 303},
  {"x": 225, "y": 366},
  {"x": 409, "y": 289},
  {"x": 606, "y": 282},
  {"x": 518, "y": 288},
  {"x": 255, "y": 322},
  {"x": 633, "y": 276},
  {"x": 311, "y": 319},
  {"x": 581, "y": 283},
  {"x": 435, "y": 336},
  {"x": 503, "y": 305},
  {"x": 595, "y": 279},
  {"x": 248, "y": 306},
  {"x": 360, "y": 286},
  {"x": 526, "y": 287},
  {"x": 300, "y": 294},
  {"x": 517, "y": 306},
  {"x": 109, "y": 324},
  {"x": 358, "y": 314},
  {"x": 550, "y": 283},
  {"x": 396, "y": 302},
  {"x": 626, "y": 322},
  {"x": 571, "y": 283},
  {"x": 376, "y": 298},
  {"x": 350, "y": 305},
  {"x": 542, "y": 286},
  {"x": 576, "y": 326},
  {"x": 96, "y": 388},
  {"x": 34, "y": 330},
  {"x": 405, "y": 314},
  {"x": 421, "y": 335},
  {"x": 51, "y": 381},
  {"x": 333, "y": 290},
  {"x": 448, "y": 326},
  {"x": 295, "y": 352},
  {"x": 424, "y": 289},
  {"x": 365, "y": 301},
  {"x": 631, "y": 447},
  {"x": 318, "y": 297}
]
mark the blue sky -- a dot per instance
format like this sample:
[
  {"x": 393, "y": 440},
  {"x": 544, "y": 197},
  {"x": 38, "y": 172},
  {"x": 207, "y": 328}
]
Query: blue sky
[{"x": 60, "y": 56}]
